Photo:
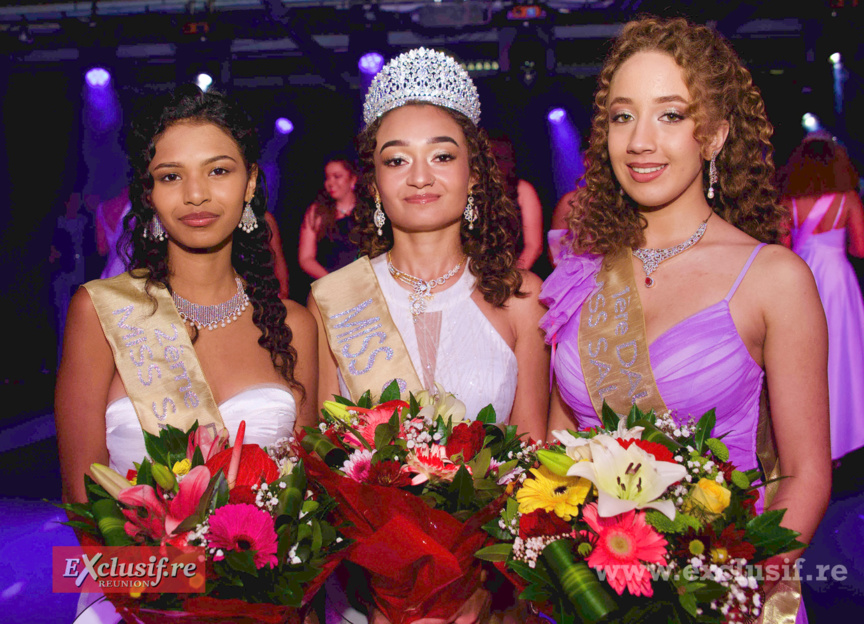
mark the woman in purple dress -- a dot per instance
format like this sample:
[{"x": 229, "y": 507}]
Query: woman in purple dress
[
  {"x": 670, "y": 298},
  {"x": 819, "y": 185}
]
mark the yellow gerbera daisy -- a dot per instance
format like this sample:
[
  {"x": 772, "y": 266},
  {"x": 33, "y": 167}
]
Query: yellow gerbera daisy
[{"x": 548, "y": 491}]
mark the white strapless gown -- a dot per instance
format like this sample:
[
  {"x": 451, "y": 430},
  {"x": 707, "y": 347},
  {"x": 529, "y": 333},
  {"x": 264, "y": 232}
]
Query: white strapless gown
[
  {"x": 454, "y": 344},
  {"x": 269, "y": 411}
]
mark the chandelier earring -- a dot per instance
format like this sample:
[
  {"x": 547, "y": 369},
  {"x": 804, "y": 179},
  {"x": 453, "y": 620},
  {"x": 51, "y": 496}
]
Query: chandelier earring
[
  {"x": 248, "y": 221},
  {"x": 470, "y": 212},
  {"x": 379, "y": 217},
  {"x": 712, "y": 176},
  {"x": 154, "y": 229}
]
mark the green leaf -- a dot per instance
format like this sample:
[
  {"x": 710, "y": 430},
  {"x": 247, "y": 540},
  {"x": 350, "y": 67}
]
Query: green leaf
[
  {"x": 197, "y": 458},
  {"x": 242, "y": 561},
  {"x": 496, "y": 552},
  {"x": 391, "y": 392},
  {"x": 317, "y": 538},
  {"x": 610, "y": 418},
  {"x": 536, "y": 593},
  {"x": 718, "y": 449},
  {"x": 145, "y": 474},
  {"x": 634, "y": 416},
  {"x": 769, "y": 538},
  {"x": 487, "y": 415},
  {"x": 413, "y": 405},
  {"x": 653, "y": 434},
  {"x": 463, "y": 485},
  {"x": 317, "y": 443},
  {"x": 365, "y": 400},
  {"x": 480, "y": 464},
  {"x": 740, "y": 479},
  {"x": 156, "y": 448},
  {"x": 688, "y": 601},
  {"x": 703, "y": 430},
  {"x": 82, "y": 526}
]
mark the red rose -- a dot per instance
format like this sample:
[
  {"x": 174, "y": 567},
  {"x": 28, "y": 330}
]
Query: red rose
[
  {"x": 541, "y": 523},
  {"x": 660, "y": 452},
  {"x": 466, "y": 439},
  {"x": 387, "y": 473},
  {"x": 256, "y": 467}
]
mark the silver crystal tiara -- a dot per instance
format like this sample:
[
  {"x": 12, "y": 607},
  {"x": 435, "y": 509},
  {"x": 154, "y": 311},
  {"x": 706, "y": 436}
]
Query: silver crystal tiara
[{"x": 426, "y": 76}]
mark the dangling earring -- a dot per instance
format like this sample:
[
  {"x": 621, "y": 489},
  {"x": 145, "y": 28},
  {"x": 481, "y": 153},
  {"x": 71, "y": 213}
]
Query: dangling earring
[
  {"x": 712, "y": 176},
  {"x": 621, "y": 191},
  {"x": 379, "y": 217},
  {"x": 470, "y": 213},
  {"x": 155, "y": 229},
  {"x": 248, "y": 221}
]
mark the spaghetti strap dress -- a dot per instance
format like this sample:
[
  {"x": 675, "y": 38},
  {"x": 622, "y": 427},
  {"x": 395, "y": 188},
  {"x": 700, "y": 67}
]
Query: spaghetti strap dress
[{"x": 825, "y": 254}]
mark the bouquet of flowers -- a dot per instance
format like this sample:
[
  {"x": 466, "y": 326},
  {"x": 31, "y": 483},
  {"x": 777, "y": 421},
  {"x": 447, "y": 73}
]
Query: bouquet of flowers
[
  {"x": 266, "y": 542},
  {"x": 645, "y": 508},
  {"x": 414, "y": 485}
]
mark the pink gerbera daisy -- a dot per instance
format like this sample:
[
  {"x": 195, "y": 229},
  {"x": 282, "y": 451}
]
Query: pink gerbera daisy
[
  {"x": 358, "y": 465},
  {"x": 241, "y": 528},
  {"x": 430, "y": 464},
  {"x": 622, "y": 544}
]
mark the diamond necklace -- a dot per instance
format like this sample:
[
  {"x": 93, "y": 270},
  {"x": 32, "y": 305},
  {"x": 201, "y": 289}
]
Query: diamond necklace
[
  {"x": 212, "y": 316},
  {"x": 651, "y": 258},
  {"x": 422, "y": 289}
]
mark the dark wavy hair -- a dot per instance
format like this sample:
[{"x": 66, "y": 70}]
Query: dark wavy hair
[
  {"x": 325, "y": 206},
  {"x": 250, "y": 253},
  {"x": 491, "y": 245},
  {"x": 817, "y": 166},
  {"x": 720, "y": 88}
]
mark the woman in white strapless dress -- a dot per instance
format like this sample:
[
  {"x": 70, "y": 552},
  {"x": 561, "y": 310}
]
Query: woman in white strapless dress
[
  {"x": 441, "y": 235},
  {"x": 196, "y": 193}
]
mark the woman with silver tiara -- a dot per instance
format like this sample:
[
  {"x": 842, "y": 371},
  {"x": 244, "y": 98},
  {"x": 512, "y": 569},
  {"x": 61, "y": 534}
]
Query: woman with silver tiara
[{"x": 436, "y": 301}]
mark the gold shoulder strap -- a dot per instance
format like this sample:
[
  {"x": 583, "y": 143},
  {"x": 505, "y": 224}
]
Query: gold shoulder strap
[
  {"x": 153, "y": 354},
  {"x": 612, "y": 342},
  {"x": 363, "y": 338}
]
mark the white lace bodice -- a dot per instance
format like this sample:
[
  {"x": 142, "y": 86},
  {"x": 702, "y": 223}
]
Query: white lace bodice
[
  {"x": 454, "y": 344},
  {"x": 268, "y": 409}
]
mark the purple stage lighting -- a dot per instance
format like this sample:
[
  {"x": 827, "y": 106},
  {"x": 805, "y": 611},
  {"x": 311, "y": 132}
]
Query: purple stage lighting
[
  {"x": 557, "y": 115},
  {"x": 98, "y": 77},
  {"x": 284, "y": 126},
  {"x": 371, "y": 63}
]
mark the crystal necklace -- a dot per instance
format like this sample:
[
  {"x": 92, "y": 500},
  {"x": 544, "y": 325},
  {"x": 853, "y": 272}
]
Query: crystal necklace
[
  {"x": 651, "y": 258},
  {"x": 422, "y": 289},
  {"x": 213, "y": 316}
]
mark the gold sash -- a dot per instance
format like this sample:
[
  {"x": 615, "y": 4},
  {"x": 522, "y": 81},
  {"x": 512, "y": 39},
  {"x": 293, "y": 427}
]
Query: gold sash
[
  {"x": 355, "y": 314},
  {"x": 612, "y": 342},
  {"x": 784, "y": 599},
  {"x": 153, "y": 354}
]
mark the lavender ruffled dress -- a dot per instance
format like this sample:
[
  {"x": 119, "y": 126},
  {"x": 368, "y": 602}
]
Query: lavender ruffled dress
[{"x": 699, "y": 364}]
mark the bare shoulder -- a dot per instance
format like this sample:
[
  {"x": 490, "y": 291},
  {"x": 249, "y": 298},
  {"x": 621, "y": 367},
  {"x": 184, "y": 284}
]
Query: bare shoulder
[
  {"x": 299, "y": 318},
  {"x": 780, "y": 279},
  {"x": 528, "y": 307}
]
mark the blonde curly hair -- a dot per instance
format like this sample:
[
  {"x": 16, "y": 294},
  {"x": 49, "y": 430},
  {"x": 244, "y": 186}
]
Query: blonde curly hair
[{"x": 603, "y": 221}]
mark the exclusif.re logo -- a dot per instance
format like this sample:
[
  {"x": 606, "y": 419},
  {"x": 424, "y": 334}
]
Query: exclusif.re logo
[{"x": 124, "y": 569}]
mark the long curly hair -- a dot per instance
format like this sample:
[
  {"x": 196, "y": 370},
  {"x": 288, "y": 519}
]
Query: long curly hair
[
  {"x": 817, "y": 166},
  {"x": 325, "y": 205},
  {"x": 491, "y": 245},
  {"x": 720, "y": 88},
  {"x": 250, "y": 253}
]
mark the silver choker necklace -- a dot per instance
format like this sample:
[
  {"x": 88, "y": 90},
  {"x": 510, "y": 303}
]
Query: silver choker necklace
[
  {"x": 212, "y": 316},
  {"x": 651, "y": 258},
  {"x": 422, "y": 289}
]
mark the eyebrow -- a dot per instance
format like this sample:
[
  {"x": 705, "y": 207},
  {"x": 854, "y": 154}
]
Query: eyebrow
[
  {"x": 432, "y": 141},
  {"x": 172, "y": 165},
  {"x": 661, "y": 100}
]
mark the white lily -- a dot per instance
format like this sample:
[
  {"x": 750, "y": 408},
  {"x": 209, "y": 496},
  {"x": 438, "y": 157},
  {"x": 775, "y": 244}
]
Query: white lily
[
  {"x": 575, "y": 448},
  {"x": 440, "y": 403},
  {"x": 627, "y": 434},
  {"x": 627, "y": 479}
]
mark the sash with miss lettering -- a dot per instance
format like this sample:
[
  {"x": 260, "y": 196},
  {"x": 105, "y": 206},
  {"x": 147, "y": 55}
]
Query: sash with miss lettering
[
  {"x": 612, "y": 342},
  {"x": 153, "y": 354},
  {"x": 363, "y": 338}
]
